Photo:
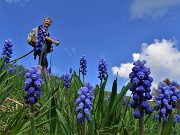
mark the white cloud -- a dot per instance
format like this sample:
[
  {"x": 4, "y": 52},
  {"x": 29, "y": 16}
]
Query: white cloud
[
  {"x": 152, "y": 8},
  {"x": 123, "y": 70},
  {"x": 162, "y": 57},
  {"x": 70, "y": 51},
  {"x": 20, "y": 2}
]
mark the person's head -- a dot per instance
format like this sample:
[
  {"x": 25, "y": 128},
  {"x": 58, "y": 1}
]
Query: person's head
[{"x": 47, "y": 22}]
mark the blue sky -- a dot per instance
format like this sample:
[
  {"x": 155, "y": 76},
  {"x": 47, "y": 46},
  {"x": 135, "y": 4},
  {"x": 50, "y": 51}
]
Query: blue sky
[{"x": 120, "y": 31}]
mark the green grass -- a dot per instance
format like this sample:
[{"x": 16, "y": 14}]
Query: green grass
[{"x": 57, "y": 115}]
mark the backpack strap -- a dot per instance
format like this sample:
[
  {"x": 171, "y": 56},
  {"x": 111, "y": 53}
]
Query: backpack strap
[{"x": 36, "y": 31}]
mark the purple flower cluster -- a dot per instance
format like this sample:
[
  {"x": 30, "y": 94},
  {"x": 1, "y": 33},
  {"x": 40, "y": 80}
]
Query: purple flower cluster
[
  {"x": 70, "y": 70},
  {"x": 102, "y": 68},
  {"x": 140, "y": 87},
  {"x": 124, "y": 101},
  {"x": 66, "y": 79},
  {"x": 84, "y": 102},
  {"x": 32, "y": 85},
  {"x": 166, "y": 100},
  {"x": 176, "y": 120},
  {"x": 107, "y": 98},
  {"x": 41, "y": 38},
  {"x": 12, "y": 69},
  {"x": 83, "y": 65},
  {"x": 7, "y": 50}
]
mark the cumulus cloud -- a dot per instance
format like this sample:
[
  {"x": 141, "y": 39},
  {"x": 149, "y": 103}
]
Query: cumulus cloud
[
  {"x": 125, "y": 68},
  {"x": 152, "y": 8},
  {"x": 20, "y": 2},
  {"x": 163, "y": 58}
]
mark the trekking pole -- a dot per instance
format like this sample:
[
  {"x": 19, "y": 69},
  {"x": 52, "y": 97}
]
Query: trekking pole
[{"x": 22, "y": 56}]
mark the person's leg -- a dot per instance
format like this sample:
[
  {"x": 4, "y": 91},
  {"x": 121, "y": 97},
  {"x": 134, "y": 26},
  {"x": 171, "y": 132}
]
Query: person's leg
[
  {"x": 44, "y": 70},
  {"x": 43, "y": 60}
]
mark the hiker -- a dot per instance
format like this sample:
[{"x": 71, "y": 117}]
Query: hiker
[{"x": 44, "y": 44}]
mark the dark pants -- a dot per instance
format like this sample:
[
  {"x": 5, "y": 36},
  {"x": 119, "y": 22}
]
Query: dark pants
[{"x": 43, "y": 57}]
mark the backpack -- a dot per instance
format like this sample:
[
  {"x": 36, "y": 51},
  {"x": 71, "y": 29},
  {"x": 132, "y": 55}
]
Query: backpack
[{"x": 32, "y": 36}]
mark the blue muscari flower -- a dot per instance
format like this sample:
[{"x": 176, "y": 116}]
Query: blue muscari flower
[
  {"x": 176, "y": 120},
  {"x": 140, "y": 87},
  {"x": 134, "y": 104},
  {"x": 41, "y": 38},
  {"x": 7, "y": 50},
  {"x": 148, "y": 110},
  {"x": 102, "y": 68},
  {"x": 166, "y": 99},
  {"x": 84, "y": 103},
  {"x": 12, "y": 69},
  {"x": 107, "y": 98},
  {"x": 33, "y": 82},
  {"x": 124, "y": 101},
  {"x": 83, "y": 65},
  {"x": 70, "y": 70},
  {"x": 66, "y": 79},
  {"x": 137, "y": 114}
]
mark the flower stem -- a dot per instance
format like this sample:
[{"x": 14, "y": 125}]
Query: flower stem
[
  {"x": 84, "y": 126},
  {"x": 32, "y": 119},
  {"x": 159, "y": 126},
  {"x": 141, "y": 119},
  {"x": 83, "y": 79}
]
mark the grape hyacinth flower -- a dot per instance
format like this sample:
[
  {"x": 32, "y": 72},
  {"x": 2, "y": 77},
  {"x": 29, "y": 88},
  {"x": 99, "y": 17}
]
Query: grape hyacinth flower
[
  {"x": 176, "y": 120},
  {"x": 84, "y": 102},
  {"x": 41, "y": 38},
  {"x": 107, "y": 98},
  {"x": 102, "y": 68},
  {"x": 124, "y": 101},
  {"x": 140, "y": 87},
  {"x": 166, "y": 100},
  {"x": 66, "y": 80},
  {"x": 12, "y": 69},
  {"x": 7, "y": 50},
  {"x": 32, "y": 85},
  {"x": 70, "y": 71},
  {"x": 83, "y": 65}
]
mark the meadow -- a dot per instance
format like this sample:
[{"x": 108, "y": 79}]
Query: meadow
[{"x": 36, "y": 104}]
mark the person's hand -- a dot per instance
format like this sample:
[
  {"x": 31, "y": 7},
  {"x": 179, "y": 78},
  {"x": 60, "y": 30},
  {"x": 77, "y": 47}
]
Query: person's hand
[
  {"x": 51, "y": 49},
  {"x": 57, "y": 42}
]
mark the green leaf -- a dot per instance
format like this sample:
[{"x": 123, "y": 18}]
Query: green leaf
[
  {"x": 36, "y": 126},
  {"x": 77, "y": 80},
  {"x": 2, "y": 61},
  {"x": 169, "y": 125},
  {"x": 6, "y": 92},
  {"x": 18, "y": 127},
  {"x": 124, "y": 128},
  {"x": 53, "y": 113},
  {"x": 111, "y": 103},
  {"x": 63, "y": 122},
  {"x": 91, "y": 128},
  {"x": 13, "y": 122}
]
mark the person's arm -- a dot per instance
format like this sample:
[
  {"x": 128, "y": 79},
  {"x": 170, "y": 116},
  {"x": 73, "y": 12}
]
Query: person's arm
[{"x": 51, "y": 40}]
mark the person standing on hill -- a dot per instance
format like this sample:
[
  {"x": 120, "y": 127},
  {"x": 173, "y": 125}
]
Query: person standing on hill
[{"x": 44, "y": 44}]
